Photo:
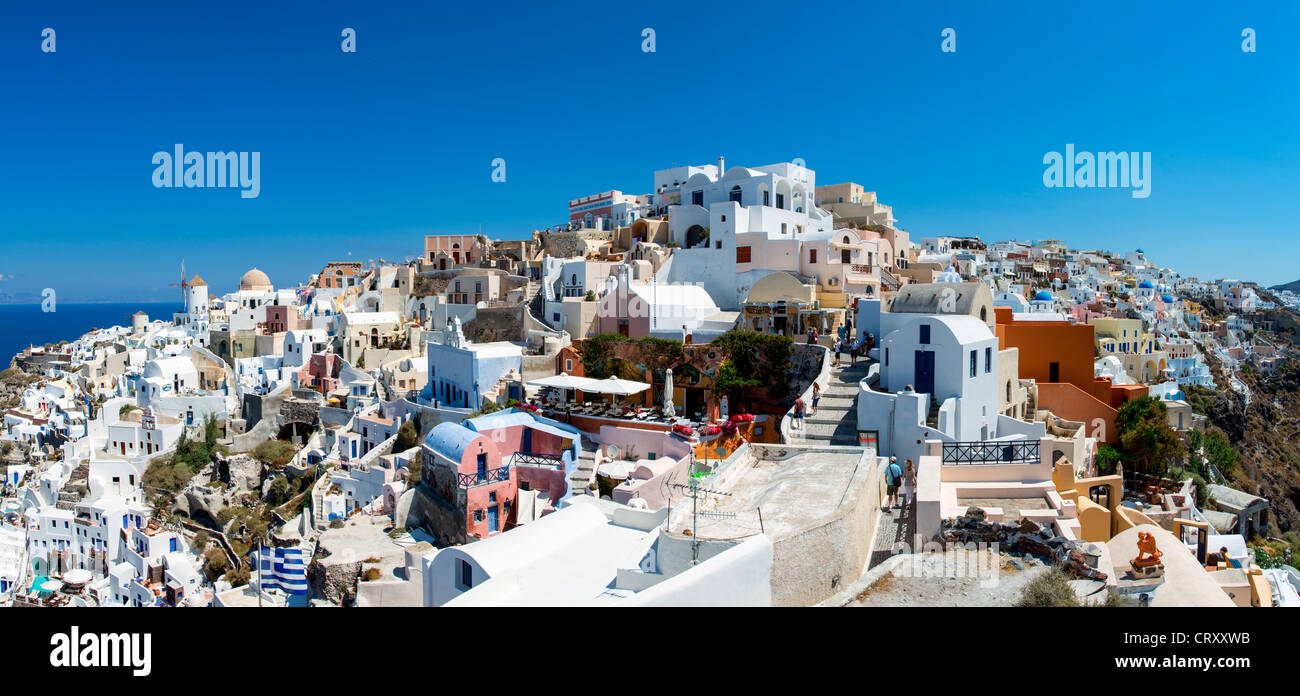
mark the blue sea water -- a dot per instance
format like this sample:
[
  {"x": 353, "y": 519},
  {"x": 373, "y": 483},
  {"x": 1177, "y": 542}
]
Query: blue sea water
[{"x": 25, "y": 324}]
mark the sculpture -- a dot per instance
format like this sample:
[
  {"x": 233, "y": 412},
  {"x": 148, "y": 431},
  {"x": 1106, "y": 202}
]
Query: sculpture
[{"x": 1147, "y": 563}]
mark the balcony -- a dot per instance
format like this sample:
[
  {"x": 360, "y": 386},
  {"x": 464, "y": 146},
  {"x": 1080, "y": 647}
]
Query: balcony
[
  {"x": 990, "y": 452},
  {"x": 480, "y": 478},
  {"x": 545, "y": 461}
]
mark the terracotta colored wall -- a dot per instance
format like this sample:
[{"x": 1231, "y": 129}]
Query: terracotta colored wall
[
  {"x": 1072, "y": 403},
  {"x": 1044, "y": 342},
  {"x": 477, "y": 496}
]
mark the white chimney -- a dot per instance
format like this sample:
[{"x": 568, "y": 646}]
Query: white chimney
[{"x": 722, "y": 166}]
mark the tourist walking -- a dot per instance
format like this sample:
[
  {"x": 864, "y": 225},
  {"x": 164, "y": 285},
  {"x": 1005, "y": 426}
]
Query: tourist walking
[
  {"x": 909, "y": 484},
  {"x": 893, "y": 477},
  {"x": 798, "y": 413},
  {"x": 816, "y": 396}
]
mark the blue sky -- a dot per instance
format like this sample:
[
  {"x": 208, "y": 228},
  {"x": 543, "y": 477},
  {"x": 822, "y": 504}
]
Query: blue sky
[{"x": 364, "y": 153}]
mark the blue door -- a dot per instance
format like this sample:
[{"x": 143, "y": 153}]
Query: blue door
[
  {"x": 527, "y": 445},
  {"x": 492, "y": 519},
  {"x": 925, "y": 372}
]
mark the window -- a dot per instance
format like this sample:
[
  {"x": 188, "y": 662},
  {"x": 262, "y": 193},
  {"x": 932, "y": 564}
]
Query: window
[
  {"x": 972, "y": 363},
  {"x": 988, "y": 360},
  {"x": 697, "y": 198},
  {"x": 465, "y": 575},
  {"x": 886, "y": 357},
  {"x": 925, "y": 334},
  {"x": 812, "y": 256},
  {"x": 568, "y": 364},
  {"x": 742, "y": 254}
]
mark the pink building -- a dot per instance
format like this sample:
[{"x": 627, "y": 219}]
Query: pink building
[
  {"x": 280, "y": 318},
  {"x": 450, "y": 250},
  {"x": 464, "y": 472},
  {"x": 321, "y": 373},
  {"x": 541, "y": 452}
]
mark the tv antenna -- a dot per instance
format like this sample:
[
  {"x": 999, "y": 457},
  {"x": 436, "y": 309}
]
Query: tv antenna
[{"x": 695, "y": 491}]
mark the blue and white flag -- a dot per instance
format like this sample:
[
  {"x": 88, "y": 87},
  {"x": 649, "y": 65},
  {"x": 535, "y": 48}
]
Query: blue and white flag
[{"x": 282, "y": 569}]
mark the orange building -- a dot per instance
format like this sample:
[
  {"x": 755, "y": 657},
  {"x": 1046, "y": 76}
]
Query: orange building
[
  {"x": 339, "y": 274},
  {"x": 1059, "y": 356}
]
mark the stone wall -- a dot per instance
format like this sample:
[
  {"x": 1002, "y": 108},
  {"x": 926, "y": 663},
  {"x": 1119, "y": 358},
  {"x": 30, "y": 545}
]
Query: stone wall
[
  {"x": 812, "y": 564},
  {"x": 496, "y": 324}
]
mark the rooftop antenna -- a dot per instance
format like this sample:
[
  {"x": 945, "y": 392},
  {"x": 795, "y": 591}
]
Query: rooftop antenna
[{"x": 695, "y": 491}]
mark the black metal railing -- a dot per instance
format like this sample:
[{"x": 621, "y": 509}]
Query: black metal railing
[
  {"x": 990, "y": 452},
  {"x": 478, "y": 478},
  {"x": 550, "y": 461}
]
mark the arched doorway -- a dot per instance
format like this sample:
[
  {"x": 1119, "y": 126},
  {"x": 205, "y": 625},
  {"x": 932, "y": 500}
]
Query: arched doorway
[{"x": 695, "y": 235}]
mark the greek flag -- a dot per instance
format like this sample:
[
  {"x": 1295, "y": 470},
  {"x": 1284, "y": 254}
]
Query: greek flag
[{"x": 282, "y": 569}]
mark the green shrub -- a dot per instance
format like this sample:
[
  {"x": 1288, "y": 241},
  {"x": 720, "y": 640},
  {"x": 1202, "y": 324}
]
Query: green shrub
[
  {"x": 1052, "y": 589},
  {"x": 275, "y": 453}
]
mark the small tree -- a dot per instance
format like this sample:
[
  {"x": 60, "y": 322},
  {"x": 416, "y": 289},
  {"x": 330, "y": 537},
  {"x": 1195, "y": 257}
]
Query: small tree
[
  {"x": 279, "y": 489},
  {"x": 408, "y": 436},
  {"x": 216, "y": 564},
  {"x": 200, "y": 541},
  {"x": 1145, "y": 434}
]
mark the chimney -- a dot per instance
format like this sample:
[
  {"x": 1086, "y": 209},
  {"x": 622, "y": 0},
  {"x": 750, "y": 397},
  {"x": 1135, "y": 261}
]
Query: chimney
[{"x": 722, "y": 166}]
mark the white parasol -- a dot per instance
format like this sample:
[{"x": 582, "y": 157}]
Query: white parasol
[{"x": 669, "y": 409}]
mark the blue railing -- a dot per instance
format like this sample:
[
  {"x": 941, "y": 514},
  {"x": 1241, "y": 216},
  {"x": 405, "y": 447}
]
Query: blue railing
[
  {"x": 990, "y": 452},
  {"x": 497, "y": 475}
]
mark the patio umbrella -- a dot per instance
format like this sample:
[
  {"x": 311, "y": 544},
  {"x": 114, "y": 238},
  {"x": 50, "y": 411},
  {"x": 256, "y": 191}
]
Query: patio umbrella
[
  {"x": 669, "y": 409},
  {"x": 77, "y": 576},
  {"x": 616, "y": 386},
  {"x": 617, "y": 469},
  {"x": 565, "y": 381}
]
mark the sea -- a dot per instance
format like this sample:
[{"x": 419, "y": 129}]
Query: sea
[{"x": 25, "y": 324}]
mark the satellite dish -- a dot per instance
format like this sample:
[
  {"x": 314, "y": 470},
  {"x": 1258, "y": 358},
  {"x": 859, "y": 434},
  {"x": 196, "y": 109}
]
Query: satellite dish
[{"x": 612, "y": 451}]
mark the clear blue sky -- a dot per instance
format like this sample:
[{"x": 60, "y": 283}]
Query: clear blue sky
[{"x": 364, "y": 153}]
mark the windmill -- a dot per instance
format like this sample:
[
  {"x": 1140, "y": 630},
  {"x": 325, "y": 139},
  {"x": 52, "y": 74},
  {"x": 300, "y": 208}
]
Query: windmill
[{"x": 184, "y": 285}]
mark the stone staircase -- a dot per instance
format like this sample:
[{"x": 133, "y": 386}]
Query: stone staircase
[
  {"x": 836, "y": 419},
  {"x": 585, "y": 471}
]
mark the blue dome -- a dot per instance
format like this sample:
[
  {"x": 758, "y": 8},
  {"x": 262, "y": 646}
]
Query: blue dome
[
  {"x": 1146, "y": 284},
  {"x": 1141, "y": 252},
  {"x": 1044, "y": 296},
  {"x": 450, "y": 440},
  {"x": 1167, "y": 299}
]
